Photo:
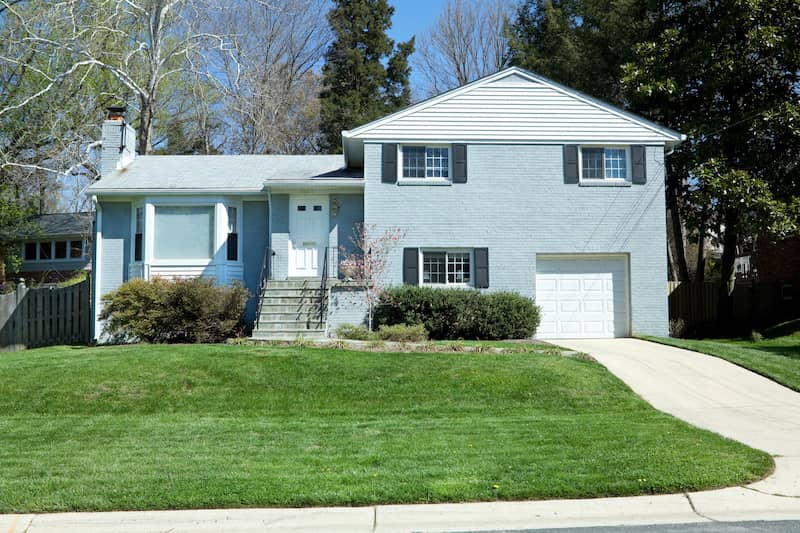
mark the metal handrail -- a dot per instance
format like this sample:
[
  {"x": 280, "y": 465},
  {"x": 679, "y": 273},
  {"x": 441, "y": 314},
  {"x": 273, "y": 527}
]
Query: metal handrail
[
  {"x": 266, "y": 267},
  {"x": 323, "y": 285}
]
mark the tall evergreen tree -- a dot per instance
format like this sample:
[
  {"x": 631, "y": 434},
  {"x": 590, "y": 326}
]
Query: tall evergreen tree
[
  {"x": 580, "y": 43},
  {"x": 358, "y": 87}
]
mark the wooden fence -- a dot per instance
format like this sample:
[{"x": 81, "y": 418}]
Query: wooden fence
[
  {"x": 753, "y": 303},
  {"x": 45, "y": 317}
]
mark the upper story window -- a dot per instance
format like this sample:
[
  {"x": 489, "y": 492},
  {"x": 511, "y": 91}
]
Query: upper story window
[
  {"x": 609, "y": 163},
  {"x": 426, "y": 162}
]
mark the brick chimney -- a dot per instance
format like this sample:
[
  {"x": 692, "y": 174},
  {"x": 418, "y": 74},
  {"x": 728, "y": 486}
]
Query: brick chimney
[{"x": 119, "y": 141}]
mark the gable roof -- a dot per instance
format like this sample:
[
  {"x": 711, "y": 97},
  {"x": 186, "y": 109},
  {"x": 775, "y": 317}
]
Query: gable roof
[
  {"x": 61, "y": 224},
  {"x": 512, "y": 105},
  {"x": 222, "y": 173}
]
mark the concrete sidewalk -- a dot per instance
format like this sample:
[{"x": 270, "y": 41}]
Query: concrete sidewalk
[{"x": 703, "y": 390}]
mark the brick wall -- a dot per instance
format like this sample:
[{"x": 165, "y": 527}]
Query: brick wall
[{"x": 516, "y": 203}]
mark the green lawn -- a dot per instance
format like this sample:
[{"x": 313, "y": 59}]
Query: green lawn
[
  {"x": 156, "y": 427},
  {"x": 776, "y": 356}
]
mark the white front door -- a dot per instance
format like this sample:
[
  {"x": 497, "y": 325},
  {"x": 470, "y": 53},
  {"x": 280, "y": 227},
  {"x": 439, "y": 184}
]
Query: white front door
[{"x": 308, "y": 235}]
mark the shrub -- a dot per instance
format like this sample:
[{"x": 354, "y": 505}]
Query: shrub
[
  {"x": 403, "y": 333},
  {"x": 459, "y": 313},
  {"x": 160, "y": 310},
  {"x": 354, "y": 333}
]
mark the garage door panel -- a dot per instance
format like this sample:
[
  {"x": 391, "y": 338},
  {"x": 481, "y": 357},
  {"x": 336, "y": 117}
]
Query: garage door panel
[
  {"x": 582, "y": 296},
  {"x": 570, "y": 306}
]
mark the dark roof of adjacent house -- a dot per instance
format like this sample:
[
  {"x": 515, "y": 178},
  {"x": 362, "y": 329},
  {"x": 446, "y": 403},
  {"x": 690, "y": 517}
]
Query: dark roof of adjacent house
[
  {"x": 223, "y": 172},
  {"x": 62, "y": 224}
]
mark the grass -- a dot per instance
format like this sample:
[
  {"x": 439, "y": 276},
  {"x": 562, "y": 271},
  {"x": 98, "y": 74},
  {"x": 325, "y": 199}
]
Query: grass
[
  {"x": 776, "y": 355},
  {"x": 202, "y": 426}
]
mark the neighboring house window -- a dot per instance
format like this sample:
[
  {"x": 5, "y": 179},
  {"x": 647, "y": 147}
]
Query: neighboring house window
[
  {"x": 446, "y": 268},
  {"x": 60, "y": 249},
  {"x": 45, "y": 250},
  {"x": 29, "y": 252},
  {"x": 52, "y": 250},
  {"x": 75, "y": 249},
  {"x": 233, "y": 235},
  {"x": 426, "y": 162},
  {"x": 599, "y": 163},
  {"x": 137, "y": 236},
  {"x": 184, "y": 232}
]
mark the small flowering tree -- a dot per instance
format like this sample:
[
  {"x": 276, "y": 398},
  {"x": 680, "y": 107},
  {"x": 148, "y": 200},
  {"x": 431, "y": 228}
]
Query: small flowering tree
[{"x": 368, "y": 262}]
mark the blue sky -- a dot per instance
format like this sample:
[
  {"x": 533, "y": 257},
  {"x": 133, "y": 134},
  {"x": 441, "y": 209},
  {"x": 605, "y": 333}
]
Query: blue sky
[{"x": 412, "y": 17}]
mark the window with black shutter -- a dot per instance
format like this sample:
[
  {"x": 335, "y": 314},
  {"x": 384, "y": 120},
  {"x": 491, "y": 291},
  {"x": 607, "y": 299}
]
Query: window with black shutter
[
  {"x": 137, "y": 236},
  {"x": 233, "y": 235}
]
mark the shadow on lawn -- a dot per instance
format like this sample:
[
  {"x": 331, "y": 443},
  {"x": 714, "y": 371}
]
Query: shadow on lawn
[{"x": 784, "y": 329}]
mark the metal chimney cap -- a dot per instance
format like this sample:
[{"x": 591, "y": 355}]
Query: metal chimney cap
[{"x": 116, "y": 112}]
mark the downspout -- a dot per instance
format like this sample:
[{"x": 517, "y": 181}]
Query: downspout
[
  {"x": 97, "y": 250},
  {"x": 269, "y": 226}
]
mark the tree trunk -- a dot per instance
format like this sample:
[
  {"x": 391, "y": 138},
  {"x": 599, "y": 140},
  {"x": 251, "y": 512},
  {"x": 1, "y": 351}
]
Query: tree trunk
[
  {"x": 679, "y": 266},
  {"x": 144, "y": 132},
  {"x": 728, "y": 279},
  {"x": 700, "y": 272}
]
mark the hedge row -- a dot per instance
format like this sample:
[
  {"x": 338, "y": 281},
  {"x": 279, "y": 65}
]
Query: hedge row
[{"x": 459, "y": 313}]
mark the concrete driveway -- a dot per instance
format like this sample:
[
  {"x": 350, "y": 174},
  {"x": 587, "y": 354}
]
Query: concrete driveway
[
  {"x": 710, "y": 393},
  {"x": 703, "y": 390}
]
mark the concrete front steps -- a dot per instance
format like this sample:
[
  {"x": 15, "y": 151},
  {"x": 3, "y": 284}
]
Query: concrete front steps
[{"x": 290, "y": 310}]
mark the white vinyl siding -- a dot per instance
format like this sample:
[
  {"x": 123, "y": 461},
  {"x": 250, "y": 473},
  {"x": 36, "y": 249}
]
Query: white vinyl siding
[{"x": 515, "y": 108}]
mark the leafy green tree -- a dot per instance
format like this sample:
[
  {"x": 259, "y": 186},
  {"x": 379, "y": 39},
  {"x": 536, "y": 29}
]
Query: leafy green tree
[
  {"x": 727, "y": 73},
  {"x": 358, "y": 87}
]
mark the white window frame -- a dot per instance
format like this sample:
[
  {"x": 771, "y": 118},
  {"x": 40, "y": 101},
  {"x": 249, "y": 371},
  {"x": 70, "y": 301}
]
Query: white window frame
[
  {"x": 402, "y": 180},
  {"x": 219, "y": 253},
  {"x": 447, "y": 251},
  {"x": 628, "y": 167},
  {"x": 239, "y": 228},
  {"x": 138, "y": 205}
]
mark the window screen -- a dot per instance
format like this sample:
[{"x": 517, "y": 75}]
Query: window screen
[{"x": 184, "y": 232}]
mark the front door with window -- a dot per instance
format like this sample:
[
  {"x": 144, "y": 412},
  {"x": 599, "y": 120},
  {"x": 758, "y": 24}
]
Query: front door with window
[{"x": 308, "y": 235}]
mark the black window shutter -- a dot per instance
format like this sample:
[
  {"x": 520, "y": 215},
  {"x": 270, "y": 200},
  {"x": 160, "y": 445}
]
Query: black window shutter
[
  {"x": 411, "y": 266},
  {"x": 459, "y": 163},
  {"x": 389, "y": 171},
  {"x": 571, "y": 163},
  {"x": 481, "y": 268},
  {"x": 639, "y": 164}
]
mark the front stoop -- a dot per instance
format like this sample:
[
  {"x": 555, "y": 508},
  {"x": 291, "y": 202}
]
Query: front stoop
[{"x": 291, "y": 310}]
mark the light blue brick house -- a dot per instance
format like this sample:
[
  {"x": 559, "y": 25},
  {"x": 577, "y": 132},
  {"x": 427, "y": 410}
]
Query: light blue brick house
[{"x": 512, "y": 183}]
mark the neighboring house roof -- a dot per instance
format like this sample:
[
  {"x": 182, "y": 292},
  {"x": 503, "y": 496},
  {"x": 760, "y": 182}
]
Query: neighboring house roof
[
  {"x": 61, "y": 225},
  {"x": 513, "y": 105},
  {"x": 224, "y": 173}
]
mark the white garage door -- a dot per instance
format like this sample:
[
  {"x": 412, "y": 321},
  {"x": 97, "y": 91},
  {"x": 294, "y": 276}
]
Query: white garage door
[{"x": 582, "y": 296}]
